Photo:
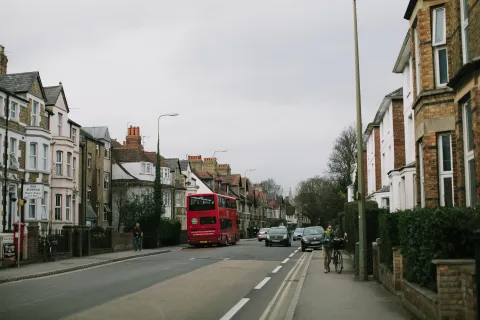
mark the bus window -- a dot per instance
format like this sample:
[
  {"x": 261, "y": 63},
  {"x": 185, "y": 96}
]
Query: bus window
[
  {"x": 201, "y": 203},
  {"x": 225, "y": 224},
  {"x": 208, "y": 220},
  {"x": 221, "y": 202}
]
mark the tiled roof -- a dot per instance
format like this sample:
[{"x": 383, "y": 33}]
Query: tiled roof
[
  {"x": 173, "y": 163},
  {"x": 396, "y": 93},
  {"x": 52, "y": 94},
  {"x": 130, "y": 155},
  {"x": 152, "y": 157},
  {"x": 184, "y": 165},
  {"x": 98, "y": 132},
  {"x": 20, "y": 82},
  {"x": 115, "y": 143},
  {"x": 234, "y": 179},
  {"x": 204, "y": 175}
]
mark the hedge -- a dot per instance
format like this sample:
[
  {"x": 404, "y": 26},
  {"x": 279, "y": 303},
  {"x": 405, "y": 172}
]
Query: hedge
[
  {"x": 372, "y": 213},
  {"x": 388, "y": 233}
]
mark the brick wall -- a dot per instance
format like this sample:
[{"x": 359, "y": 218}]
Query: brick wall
[
  {"x": 210, "y": 165},
  {"x": 398, "y": 133},
  {"x": 469, "y": 291},
  {"x": 397, "y": 270},
  {"x": 3, "y": 61},
  {"x": 420, "y": 302},
  {"x": 378, "y": 165},
  {"x": 474, "y": 25},
  {"x": 32, "y": 242},
  {"x": 196, "y": 163}
]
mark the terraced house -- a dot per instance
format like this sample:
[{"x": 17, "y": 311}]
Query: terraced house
[{"x": 25, "y": 132}]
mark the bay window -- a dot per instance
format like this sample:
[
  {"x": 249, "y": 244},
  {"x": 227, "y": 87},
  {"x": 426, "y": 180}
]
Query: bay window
[
  {"x": 470, "y": 170},
  {"x": 439, "y": 43},
  {"x": 445, "y": 169},
  {"x": 465, "y": 30},
  {"x": 59, "y": 163},
  {"x": 422, "y": 176},
  {"x": 417, "y": 59}
]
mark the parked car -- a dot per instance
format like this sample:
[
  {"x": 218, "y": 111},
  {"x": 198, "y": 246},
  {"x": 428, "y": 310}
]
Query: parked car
[
  {"x": 262, "y": 234},
  {"x": 312, "y": 238},
  {"x": 279, "y": 236},
  {"x": 297, "y": 234}
]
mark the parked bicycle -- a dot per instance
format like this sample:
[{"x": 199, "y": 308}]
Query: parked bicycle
[
  {"x": 50, "y": 248},
  {"x": 338, "y": 243}
]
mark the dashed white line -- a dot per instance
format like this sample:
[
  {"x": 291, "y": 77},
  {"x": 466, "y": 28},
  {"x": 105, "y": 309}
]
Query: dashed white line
[
  {"x": 192, "y": 258},
  {"x": 296, "y": 251},
  {"x": 276, "y": 269},
  {"x": 291, "y": 255},
  {"x": 226, "y": 258},
  {"x": 299, "y": 248},
  {"x": 286, "y": 260},
  {"x": 229, "y": 315},
  {"x": 262, "y": 283}
]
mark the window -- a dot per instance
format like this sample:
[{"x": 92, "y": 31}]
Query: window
[
  {"x": 417, "y": 59},
  {"x": 470, "y": 171},
  {"x": 32, "y": 208},
  {"x": 422, "y": 177},
  {"x": 97, "y": 150},
  {"x": 35, "y": 113},
  {"x": 107, "y": 151},
  {"x": 13, "y": 147},
  {"x": 89, "y": 160},
  {"x": 165, "y": 173},
  {"x": 58, "y": 207},
  {"x": 201, "y": 203},
  {"x": 59, "y": 163},
  {"x": 45, "y": 157},
  {"x": 74, "y": 165},
  {"x": 73, "y": 206},
  {"x": 106, "y": 210},
  {"x": 226, "y": 224},
  {"x": 178, "y": 199},
  {"x": 13, "y": 110},
  {"x": 89, "y": 192},
  {"x": 74, "y": 135},
  {"x": 60, "y": 123},
  {"x": 33, "y": 155},
  {"x": 439, "y": 40},
  {"x": 106, "y": 181},
  {"x": 445, "y": 167},
  {"x": 149, "y": 168},
  {"x": 69, "y": 165},
  {"x": 465, "y": 30},
  {"x": 44, "y": 205},
  {"x": 68, "y": 202},
  {"x": 2, "y": 106},
  {"x": 144, "y": 166}
]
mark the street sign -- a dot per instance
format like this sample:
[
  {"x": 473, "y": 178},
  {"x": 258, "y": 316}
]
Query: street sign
[{"x": 33, "y": 191}]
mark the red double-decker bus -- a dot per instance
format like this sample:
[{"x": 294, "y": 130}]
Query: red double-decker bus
[{"x": 212, "y": 219}]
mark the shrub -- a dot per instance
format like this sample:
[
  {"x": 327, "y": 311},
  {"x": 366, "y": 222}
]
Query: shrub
[
  {"x": 427, "y": 234},
  {"x": 388, "y": 232}
]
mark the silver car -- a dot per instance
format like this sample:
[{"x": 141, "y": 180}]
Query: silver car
[
  {"x": 262, "y": 234},
  {"x": 297, "y": 234}
]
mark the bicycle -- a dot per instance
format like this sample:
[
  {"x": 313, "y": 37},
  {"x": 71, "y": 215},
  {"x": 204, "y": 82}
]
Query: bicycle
[
  {"x": 338, "y": 244},
  {"x": 50, "y": 248}
]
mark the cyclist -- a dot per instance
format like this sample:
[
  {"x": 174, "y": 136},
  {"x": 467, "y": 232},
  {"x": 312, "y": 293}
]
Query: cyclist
[{"x": 327, "y": 248}]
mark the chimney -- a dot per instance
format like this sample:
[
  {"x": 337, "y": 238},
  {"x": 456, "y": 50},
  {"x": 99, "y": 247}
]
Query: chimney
[
  {"x": 196, "y": 163},
  {"x": 133, "y": 139},
  {"x": 224, "y": 169},
  {"x": 3, "y": 61},
  {"x": 210, "y": 165}
]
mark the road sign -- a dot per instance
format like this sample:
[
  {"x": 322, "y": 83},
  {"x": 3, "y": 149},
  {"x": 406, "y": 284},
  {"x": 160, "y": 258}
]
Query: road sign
[{"x": 33, "y": 191}]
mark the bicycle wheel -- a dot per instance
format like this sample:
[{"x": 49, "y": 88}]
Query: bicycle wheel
[
  {"x": 339, "y": 265},
  {"x": 54, "y": 253}
]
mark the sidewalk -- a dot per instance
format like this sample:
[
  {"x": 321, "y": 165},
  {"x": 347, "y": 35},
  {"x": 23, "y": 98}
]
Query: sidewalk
[
  {"x": 42, "y": 269},
  {"x": 339, "y": 296}
]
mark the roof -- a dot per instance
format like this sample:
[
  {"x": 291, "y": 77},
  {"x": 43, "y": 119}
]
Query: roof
[
  {"x": 410, "y": 8},
  {"x": 204, "y": 175},
  {"x": 394, "y": 95},
  {"x": 184, "y": 165},
  {"x": 52, "y": 94},
  {"x": 152, "y": 157},
  {"x": 233, "y": 179},
  {"x": 5, "y": 91},
  {"x": 130, "y": 155},
  {"x": 465, "y": 71},
  {"x": 73, "y": 122},
  {"x": 173, "y": 163},
  {"x": 100, "y": 133},
  {"x": 21, "y": 82},
  {"x": 403, "y": 56}
]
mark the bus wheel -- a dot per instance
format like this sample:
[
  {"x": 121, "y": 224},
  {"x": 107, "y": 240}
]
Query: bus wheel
[{"x": 226, "y": 241}]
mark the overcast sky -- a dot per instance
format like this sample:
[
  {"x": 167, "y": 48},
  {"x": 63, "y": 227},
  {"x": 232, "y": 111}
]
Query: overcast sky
[{"x": 272, "y": 81}]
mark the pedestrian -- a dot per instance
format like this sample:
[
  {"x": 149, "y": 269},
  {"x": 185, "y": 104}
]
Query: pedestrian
[
  {"x": 137, "y": 237},
  {"x": 327, "y": 248}
]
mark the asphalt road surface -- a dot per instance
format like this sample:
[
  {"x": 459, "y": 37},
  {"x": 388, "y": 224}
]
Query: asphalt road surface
[{"x": 243, "y": 281}]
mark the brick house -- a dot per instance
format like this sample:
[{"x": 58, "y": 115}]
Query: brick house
[
  {"x": 179, "y": 191},
  {"x": 23, "y": 105},
  {"x": 95, "y": 182}
]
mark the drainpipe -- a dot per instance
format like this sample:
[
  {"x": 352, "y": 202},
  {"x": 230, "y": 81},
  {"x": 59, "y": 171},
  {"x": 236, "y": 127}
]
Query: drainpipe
[
  {"x": 53, "y": 169},
  {"x": 82, "y": 220},
  {"x": 5, "y": 169}
]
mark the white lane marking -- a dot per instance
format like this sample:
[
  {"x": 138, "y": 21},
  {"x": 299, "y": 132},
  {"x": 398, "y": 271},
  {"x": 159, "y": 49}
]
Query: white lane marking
[
  {"x": 262, "y": 283},
  {"x": 291, "y": 255},
  {"x": 296, "y": 296},
  {"x": 226, "y": 258},
  {"x": 286, "y": 260},
  {"x": 192, "y": 258},
  {"x": 299, "y": 248},
  {"x": 272, "y": 302},
  {"x": 229, "y": 315},
  {"x": 296, "y": 251},
  {"x": 276, "y": 269}
]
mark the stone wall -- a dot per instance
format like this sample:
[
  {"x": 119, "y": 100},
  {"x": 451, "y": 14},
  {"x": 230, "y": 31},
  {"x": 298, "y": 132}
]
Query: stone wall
[
  {"x": 122, "y": 242},
  {"x": 421, "y": 302},
  {"x": 469, "y": 291}
]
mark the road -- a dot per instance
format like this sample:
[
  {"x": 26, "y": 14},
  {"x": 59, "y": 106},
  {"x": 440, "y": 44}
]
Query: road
[{"x": 234, "y": 282}]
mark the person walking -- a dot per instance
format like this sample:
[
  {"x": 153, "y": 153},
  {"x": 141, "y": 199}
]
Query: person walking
[
  {"x": 137, "y": 237},
  {"x": 327, "y": 248}
]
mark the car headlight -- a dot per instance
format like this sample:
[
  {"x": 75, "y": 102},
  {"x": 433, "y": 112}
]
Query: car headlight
[
  {"x": 305, "y": 240},
  {"x": 285, "y": 237}
]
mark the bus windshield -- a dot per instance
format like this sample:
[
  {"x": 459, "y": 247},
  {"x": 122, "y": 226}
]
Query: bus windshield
[{"x": 201, "y": 203}]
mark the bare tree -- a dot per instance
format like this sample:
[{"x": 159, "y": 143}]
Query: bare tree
[
  {"x": 271, "y": 187},
  {"x": 318, "y": 199},
  {"x": 342, "y": 160}
]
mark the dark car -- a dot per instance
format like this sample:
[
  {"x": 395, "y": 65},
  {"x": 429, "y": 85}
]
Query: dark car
[
  {"x": 279, "y": 236},
  {"x": 312, "y": 238}
]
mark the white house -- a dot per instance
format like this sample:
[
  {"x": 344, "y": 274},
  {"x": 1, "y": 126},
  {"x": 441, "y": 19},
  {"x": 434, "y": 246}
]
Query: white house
[
  {"x": 403, "y": 186},
  {"x": 191, "y": 180},
  {"x": 64, "y": 159}
]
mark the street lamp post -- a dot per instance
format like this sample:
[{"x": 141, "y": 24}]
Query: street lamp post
[
  {"x": 158, "y": 182},
  {"x": 246, "y": 194},
  {"x": 363, "y": 272},
  {"x": 215, "y": 170}
]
